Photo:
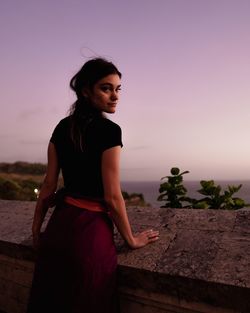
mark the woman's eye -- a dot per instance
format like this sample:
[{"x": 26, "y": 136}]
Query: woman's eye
[
  {"x": 110, "y": 89},
  {"x": 105, "y": 88}
]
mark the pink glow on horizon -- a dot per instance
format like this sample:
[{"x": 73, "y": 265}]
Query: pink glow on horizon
[{"x": 185, "y": 88}]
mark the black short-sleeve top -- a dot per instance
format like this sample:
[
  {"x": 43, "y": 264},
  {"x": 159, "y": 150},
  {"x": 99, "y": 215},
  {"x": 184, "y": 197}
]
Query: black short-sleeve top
[{"x": 81, "y": 170}]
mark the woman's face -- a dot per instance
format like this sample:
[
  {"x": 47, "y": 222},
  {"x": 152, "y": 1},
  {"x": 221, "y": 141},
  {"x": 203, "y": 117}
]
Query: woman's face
[{"x": 105, "y": 93}]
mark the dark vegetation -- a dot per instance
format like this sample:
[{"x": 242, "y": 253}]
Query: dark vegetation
[
  {"x": 18, "y": 189},
  {"x": 136, "y": 199},
  {"x": 23, "y": 168},
  {"x": 175, "y": 194},
  {"x": 19, "y": 180}
]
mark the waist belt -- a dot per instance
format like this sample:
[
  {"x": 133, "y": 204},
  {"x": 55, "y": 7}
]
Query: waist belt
[
  {"x": 90, "y": 205},
  {"x": 62, "y": 195}
]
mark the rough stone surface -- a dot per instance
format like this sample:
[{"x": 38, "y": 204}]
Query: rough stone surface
[{"x": 202, "y": 255}]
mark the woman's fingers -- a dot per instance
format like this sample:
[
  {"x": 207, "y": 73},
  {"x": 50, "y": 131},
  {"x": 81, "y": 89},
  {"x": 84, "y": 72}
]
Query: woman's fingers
[
  {"x": 151, "y": 233},
  {"x": 145, "y": 237}
]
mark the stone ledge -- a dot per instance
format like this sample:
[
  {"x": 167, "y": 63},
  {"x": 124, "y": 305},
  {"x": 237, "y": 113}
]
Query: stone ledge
[
  {"x": 155, "y": 302},
  {"x": 202, "y": 257}
]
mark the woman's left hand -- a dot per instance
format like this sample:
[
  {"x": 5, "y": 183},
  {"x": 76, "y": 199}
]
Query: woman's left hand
[{"x": 144, "y": 238}]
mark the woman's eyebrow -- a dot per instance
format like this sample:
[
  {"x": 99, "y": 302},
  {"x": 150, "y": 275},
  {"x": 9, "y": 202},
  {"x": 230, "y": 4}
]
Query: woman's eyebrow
[{"x": 109, "y": 84}]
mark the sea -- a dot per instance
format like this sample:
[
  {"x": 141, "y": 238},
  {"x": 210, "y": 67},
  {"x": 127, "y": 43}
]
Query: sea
[{"x": 150, "y": 189}]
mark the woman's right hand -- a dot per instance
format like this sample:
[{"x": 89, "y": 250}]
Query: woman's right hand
[
  {"x": 142, "y": 239},
  {"x": 36, "y": 240},
  {"x": 36, "y": 236}
]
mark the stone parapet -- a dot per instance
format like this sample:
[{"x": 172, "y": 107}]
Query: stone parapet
[{"x": 201, "y": 262}]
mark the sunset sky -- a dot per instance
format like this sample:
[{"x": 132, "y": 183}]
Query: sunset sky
[{"x": 185, "y": 98}]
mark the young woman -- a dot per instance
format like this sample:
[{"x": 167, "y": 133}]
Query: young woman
[{"x": 76, "y": 266}]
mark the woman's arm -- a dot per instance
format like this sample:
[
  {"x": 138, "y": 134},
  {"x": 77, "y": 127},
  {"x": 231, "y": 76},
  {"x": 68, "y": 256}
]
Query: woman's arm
[
  {"x": 114, "y": 199},
  {"x": 48, "y": 188}
]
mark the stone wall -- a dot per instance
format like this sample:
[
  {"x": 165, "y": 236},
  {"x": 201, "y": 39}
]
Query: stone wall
[
  {"x": 15, "y": 280},
  {"x": 200, "y": 264}
]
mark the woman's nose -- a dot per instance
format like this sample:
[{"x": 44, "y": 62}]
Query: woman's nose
[{"x": 114, "y": 95}]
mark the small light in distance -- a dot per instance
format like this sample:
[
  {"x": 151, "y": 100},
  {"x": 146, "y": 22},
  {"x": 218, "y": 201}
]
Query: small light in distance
[{"x": 36, "y": 191}]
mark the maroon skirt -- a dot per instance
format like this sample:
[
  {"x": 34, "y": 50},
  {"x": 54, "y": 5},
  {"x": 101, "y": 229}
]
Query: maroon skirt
[{"x": 75, "y": 271}]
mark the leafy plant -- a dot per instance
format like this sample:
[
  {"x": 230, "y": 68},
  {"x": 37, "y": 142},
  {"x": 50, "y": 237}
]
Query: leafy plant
[
  {"x": 172, "y": 190},
  {"x": 174, "y": 193},
  {"x": 215, "y": 198}
]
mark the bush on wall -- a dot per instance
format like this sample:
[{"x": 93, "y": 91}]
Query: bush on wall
[{"x": 175, "y": 194}]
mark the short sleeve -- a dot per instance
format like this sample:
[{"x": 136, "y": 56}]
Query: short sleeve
[
  {"x": 57, "y": 134},
  {"x": 111, "y": 136}
]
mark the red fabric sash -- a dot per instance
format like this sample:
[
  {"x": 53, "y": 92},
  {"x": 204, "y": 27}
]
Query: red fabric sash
[{"x": 87, "y": 204}]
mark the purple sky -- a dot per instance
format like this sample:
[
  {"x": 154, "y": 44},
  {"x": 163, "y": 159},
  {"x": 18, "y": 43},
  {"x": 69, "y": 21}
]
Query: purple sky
[{"x": 185, "y": 97}]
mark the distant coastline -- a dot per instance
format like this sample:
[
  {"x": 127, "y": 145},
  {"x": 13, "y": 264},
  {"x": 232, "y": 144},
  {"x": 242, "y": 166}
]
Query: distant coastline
[{"x": 149, "y": 189}]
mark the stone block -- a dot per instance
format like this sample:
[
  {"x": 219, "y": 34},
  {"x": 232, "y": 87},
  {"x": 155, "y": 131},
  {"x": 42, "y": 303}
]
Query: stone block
[
  {"x": 191, "y": 254},
  {"x": 232, "y": 263},
  {"x": 200, "y": 263},
  {"x": 217, "y": 220}
]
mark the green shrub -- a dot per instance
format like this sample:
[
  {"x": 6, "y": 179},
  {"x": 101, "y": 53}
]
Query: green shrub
[
  {"x": 174, "y": 192},
  {"x": 215, "y": 198}
]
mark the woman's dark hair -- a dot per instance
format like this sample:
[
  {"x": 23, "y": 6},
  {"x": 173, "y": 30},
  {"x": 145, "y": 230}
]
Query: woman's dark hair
[{"x": 82, "y": 111}]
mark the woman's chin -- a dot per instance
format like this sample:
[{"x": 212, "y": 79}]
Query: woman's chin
[{"x": 110, "y": 110}]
